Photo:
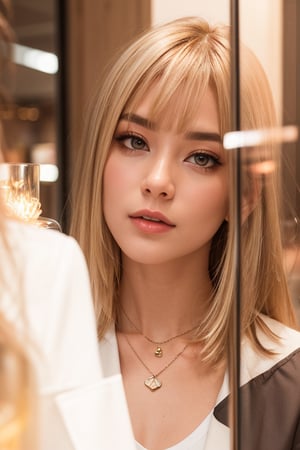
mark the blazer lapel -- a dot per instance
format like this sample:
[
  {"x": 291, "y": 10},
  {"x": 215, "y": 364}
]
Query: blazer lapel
[
  {"x": 96, "y": 416},
  {"x": 252, "y": 365}
]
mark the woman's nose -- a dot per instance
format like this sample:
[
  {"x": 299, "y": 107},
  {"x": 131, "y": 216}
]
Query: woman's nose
[{"x": 158, "y": 181}]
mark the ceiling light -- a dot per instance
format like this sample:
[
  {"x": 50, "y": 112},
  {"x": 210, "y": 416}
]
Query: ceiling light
[{"x": 35, "y": 59}]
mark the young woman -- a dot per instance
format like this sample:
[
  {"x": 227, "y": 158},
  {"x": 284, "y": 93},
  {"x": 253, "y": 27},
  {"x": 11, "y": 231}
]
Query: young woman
[{"x": 156, "y": 222}]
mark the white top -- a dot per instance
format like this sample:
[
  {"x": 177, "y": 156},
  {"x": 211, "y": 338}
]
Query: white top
[{"x": 194, "y": 441}]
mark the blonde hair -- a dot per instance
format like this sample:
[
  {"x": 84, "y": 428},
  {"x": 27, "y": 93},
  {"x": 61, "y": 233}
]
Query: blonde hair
[{"x": 182, "y": 58}]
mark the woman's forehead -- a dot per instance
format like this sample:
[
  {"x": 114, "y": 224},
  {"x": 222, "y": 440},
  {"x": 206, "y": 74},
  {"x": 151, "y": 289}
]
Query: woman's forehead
[{"x": 176, "y": 112}]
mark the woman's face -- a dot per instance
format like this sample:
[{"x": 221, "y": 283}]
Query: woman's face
[{"x": 166, "y": 193}]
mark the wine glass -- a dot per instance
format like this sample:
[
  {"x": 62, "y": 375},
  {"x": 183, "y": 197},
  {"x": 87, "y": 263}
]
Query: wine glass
[{"x": 20, "y": 189}]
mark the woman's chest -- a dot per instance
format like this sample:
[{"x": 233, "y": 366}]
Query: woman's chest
[{"x": 165, "y": 416}]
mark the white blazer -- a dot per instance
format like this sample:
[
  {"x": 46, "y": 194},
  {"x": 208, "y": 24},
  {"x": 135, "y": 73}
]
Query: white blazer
[
  {"x": 59, "y": 332},
  {"x": 262, "y": 379}
]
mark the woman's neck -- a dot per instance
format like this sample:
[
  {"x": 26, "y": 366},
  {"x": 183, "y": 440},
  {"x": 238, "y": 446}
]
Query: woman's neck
[{"x": 162, "y": 300}]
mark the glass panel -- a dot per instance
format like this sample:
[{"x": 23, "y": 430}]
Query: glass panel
[
  {"x": 291, "y": 167},
  {"x": 274, "y": 42},
  {"x": 265, "y": 203}
]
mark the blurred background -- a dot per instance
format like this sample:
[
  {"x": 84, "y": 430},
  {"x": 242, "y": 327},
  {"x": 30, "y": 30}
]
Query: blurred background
[
  {"x": 30, "y": 114},
  {"x": 60, "y": 46}
]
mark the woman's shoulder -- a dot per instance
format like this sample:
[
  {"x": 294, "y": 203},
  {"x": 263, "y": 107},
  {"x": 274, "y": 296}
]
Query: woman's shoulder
[
  {"x": 270, "y": 389},
  {"x": 48, "y": 266},
  {"x": 23, "y": 236},
  {"x": 30, "y": 246},
  {"x": 287, "y": 339},
  {"x": 282, "y": 343}
]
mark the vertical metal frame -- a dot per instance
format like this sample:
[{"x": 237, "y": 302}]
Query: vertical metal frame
[{"x": 235, "y": 351}]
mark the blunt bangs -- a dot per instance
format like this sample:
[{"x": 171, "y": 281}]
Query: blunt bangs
[{"x": 178, "y": 80}]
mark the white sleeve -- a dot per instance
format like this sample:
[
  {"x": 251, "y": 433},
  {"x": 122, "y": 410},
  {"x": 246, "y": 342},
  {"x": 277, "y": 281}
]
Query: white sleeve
[
  {"x": 61, "y": 325},
  {"x": 60, "y": 314}
]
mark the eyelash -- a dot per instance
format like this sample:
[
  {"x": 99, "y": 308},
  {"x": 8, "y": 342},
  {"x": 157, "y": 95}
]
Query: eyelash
[
  {"x": 123, "y": 137},
  {"x": 211, "y": 159}
]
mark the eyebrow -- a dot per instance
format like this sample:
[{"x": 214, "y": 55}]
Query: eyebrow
[
  {"x": 139, "y": 120},
  {"x": 192, "y": 135},
  {"x": 203, "y": 136}
]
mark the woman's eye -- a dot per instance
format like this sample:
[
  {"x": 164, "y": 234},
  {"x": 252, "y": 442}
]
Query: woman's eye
[
  {"x": 205, "y": 160},
  {"x": 133, "y": 142}
]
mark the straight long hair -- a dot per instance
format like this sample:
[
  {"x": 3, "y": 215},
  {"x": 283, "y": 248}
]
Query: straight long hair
[{"x": 182, "y": 58}]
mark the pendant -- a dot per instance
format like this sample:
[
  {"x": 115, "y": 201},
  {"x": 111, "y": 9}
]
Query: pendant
[
  {"x": 152, "y": 383},
  {"x": 158, "y": 352}
]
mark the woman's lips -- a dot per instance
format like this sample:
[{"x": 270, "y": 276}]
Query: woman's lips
[{"x": 151, "y": 221}]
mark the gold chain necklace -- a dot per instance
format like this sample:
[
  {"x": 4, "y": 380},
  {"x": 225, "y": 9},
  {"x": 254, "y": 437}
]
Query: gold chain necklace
[
  {"x": 158, "y": 351},
  {"x": 152, "y": 382}
]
